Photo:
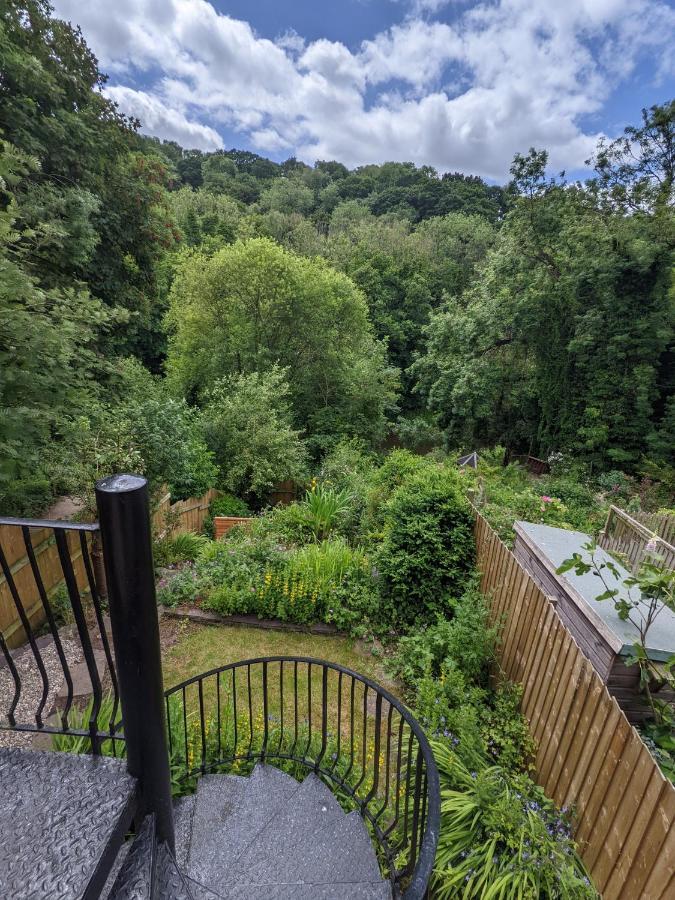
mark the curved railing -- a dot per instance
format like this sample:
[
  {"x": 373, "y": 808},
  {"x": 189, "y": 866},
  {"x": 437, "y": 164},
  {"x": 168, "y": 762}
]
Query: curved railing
[{"x": 303, "y": 715}]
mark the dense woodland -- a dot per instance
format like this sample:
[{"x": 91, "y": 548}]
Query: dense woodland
[{"x": 224, "y": 319}]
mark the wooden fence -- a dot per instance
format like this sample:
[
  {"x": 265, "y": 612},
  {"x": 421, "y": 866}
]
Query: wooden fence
[
  {"x": 47, "y": 557},
  {"x": 588, "y": 757},
  {"x": 174, "y": 518},
  {"x": 635, "y": 540},
  {"x": 182, "y": 516},
  {"x": 662, "y": 524}
]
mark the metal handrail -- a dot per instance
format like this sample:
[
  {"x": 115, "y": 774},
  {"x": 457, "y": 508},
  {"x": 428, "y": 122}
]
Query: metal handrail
[
  {"x": 214, "y": 722},
  {"x": 70, "y": 565}
]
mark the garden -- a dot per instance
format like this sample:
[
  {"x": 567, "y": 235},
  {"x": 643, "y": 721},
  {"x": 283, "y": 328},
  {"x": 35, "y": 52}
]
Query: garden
[{"x": 384, "y": 551}]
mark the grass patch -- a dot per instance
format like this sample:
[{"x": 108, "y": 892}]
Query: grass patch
[{"x": 200, "y": 648}]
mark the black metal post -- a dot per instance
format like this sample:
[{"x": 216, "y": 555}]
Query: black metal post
[{"x": 124, "y": 518}]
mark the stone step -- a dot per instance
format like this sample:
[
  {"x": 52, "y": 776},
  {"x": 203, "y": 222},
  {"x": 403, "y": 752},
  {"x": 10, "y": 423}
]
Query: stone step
[
  {"x": 183, "y": 813},
  {"x": 309, "y": 841},
  {"x": 229, "y": 813}
]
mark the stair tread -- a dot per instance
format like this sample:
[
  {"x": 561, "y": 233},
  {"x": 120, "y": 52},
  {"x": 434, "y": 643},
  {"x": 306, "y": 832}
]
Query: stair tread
[
  {"x": 183, "y": 813},
  {"x": 61, "y": 818},
  {"x": 364, "y": 890},
  {"x": 134, "y": 879},
  {"x": 229, "y": 813},
  {"x": 312, "y": 841}
]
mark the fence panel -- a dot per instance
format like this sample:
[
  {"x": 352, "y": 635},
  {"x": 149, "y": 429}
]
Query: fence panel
[
  {"x": 186, "y": 515},
  {"x": 588, "y": 756},
  {"x": 640, "y": 540}
]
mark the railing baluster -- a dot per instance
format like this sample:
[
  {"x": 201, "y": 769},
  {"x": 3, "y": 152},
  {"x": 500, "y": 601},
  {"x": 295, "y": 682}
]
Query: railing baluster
[
  {"x": 218, "y": 723},
  {"x": 83, "y": 632},
  {"x": 376, "y": 750},
  {"x": 98, "y": 612},
  {"x": 416, "y": 812},
  {"x": 17, "y": 681},
  {"x": 295, "y": 707},
  {"x": 202, "y": 724},
  {"x": 324, "y": 717},
  {"x": 309, "y": 709},
  {"x": 235, "y": 752},
  {"x": 339, "y": 721},
  {"x": 281, "y": 705},
  {"x": 265, "y": 711},
  {"x": 46, "y": 605},
  {"x": 387, "y": 763},
  {"x": 250, "y": 710},
  {"x": 25, "y": 622},
  {"x": 393, "y": 825},
  {"x": 188, "y": 764}
]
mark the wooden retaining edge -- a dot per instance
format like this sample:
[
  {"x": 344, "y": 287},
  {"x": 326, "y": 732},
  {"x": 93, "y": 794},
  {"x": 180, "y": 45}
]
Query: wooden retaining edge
[{"x": 206, "y": 617}]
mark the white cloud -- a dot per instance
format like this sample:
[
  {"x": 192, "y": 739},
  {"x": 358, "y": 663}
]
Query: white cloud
[
  {"x": 158, "y": 119},
  {"x": 507, "y": 74}
]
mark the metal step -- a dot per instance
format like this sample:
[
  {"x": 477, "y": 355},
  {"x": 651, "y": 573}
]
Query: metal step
[{"x": 63, "y": 818}]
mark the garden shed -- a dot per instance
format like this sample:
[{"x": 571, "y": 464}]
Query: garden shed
[{"x": 605, "y": 639}]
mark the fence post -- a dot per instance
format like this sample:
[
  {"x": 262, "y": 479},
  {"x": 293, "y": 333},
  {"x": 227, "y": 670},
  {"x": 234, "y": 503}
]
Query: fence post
[{"x": 124, "y": 518}]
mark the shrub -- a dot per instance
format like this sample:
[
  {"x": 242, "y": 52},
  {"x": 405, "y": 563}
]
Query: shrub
[
  {"x": 322, "y": 510},
  {"x": 25, "y": 496},
  {"x": 506, "y": 735},
  {"x": 178, "y": 548},
  {"x": 398, "y": 467},
  {"x": 427, "y": 551},
  {"x": 248, "y": 425},
  {"x": 467, "y": 640},
  {"x": 179, "y": 587},
  {"x": 500, "y": 834}
]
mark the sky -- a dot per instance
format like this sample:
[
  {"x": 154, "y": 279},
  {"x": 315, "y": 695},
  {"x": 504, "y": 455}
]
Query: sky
[{"x": 458, "y": 85}]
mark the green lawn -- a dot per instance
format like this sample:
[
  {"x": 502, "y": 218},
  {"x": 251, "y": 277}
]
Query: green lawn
[{"x": 199, "y": 648}]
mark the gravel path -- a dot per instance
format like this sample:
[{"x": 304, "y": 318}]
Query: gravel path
[{"x": 31, "y": 688}]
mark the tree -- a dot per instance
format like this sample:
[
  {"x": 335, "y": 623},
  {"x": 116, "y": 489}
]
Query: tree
[
  {"x": 287, "y": 195},
  {"x": 248, "y": 424},
  {"x": 50, "y": 341},
  {"x": 252, "y": 306},
  {"x": 560, "y": 340}
]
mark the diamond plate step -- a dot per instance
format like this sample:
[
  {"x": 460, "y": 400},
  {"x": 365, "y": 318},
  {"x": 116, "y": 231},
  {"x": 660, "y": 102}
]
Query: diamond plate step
[
  {"x": 376, "y": 890},
  {"x": 62, "y": 820}
]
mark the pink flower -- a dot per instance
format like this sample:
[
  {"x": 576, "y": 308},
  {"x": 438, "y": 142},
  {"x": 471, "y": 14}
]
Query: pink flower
[{"x": 547, "y": 499}]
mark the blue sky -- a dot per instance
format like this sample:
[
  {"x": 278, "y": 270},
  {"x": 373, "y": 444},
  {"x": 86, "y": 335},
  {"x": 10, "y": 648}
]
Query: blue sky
[{"x": 455, "y": 84}]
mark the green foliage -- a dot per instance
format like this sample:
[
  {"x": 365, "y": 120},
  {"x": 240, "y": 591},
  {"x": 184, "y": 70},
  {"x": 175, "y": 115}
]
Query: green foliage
[
  {"x": 247, "y": 424},
  {"x": 176, "y": 588},
  {"x": 564, "y": 338},
  {"x": 467, "y": 640},
  {"x": 252, "y": 307},
  {"x": 427, "y": 551},
  {"x": 501, "y": 836},
  {"x": 322, "y": 510},
  {"x": 639, "y": 599},
  {"x": 172, "y": 549},
  {"x": 79, "y": 720},
  {"x": 505, "y": 494}
]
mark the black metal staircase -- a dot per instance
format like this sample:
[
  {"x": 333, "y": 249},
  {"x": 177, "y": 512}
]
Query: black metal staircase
[{"x": 265, "y": 834}]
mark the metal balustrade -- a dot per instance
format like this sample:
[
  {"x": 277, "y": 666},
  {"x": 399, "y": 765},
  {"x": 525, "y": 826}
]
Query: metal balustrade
[{"x": 309, "y": 715}]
